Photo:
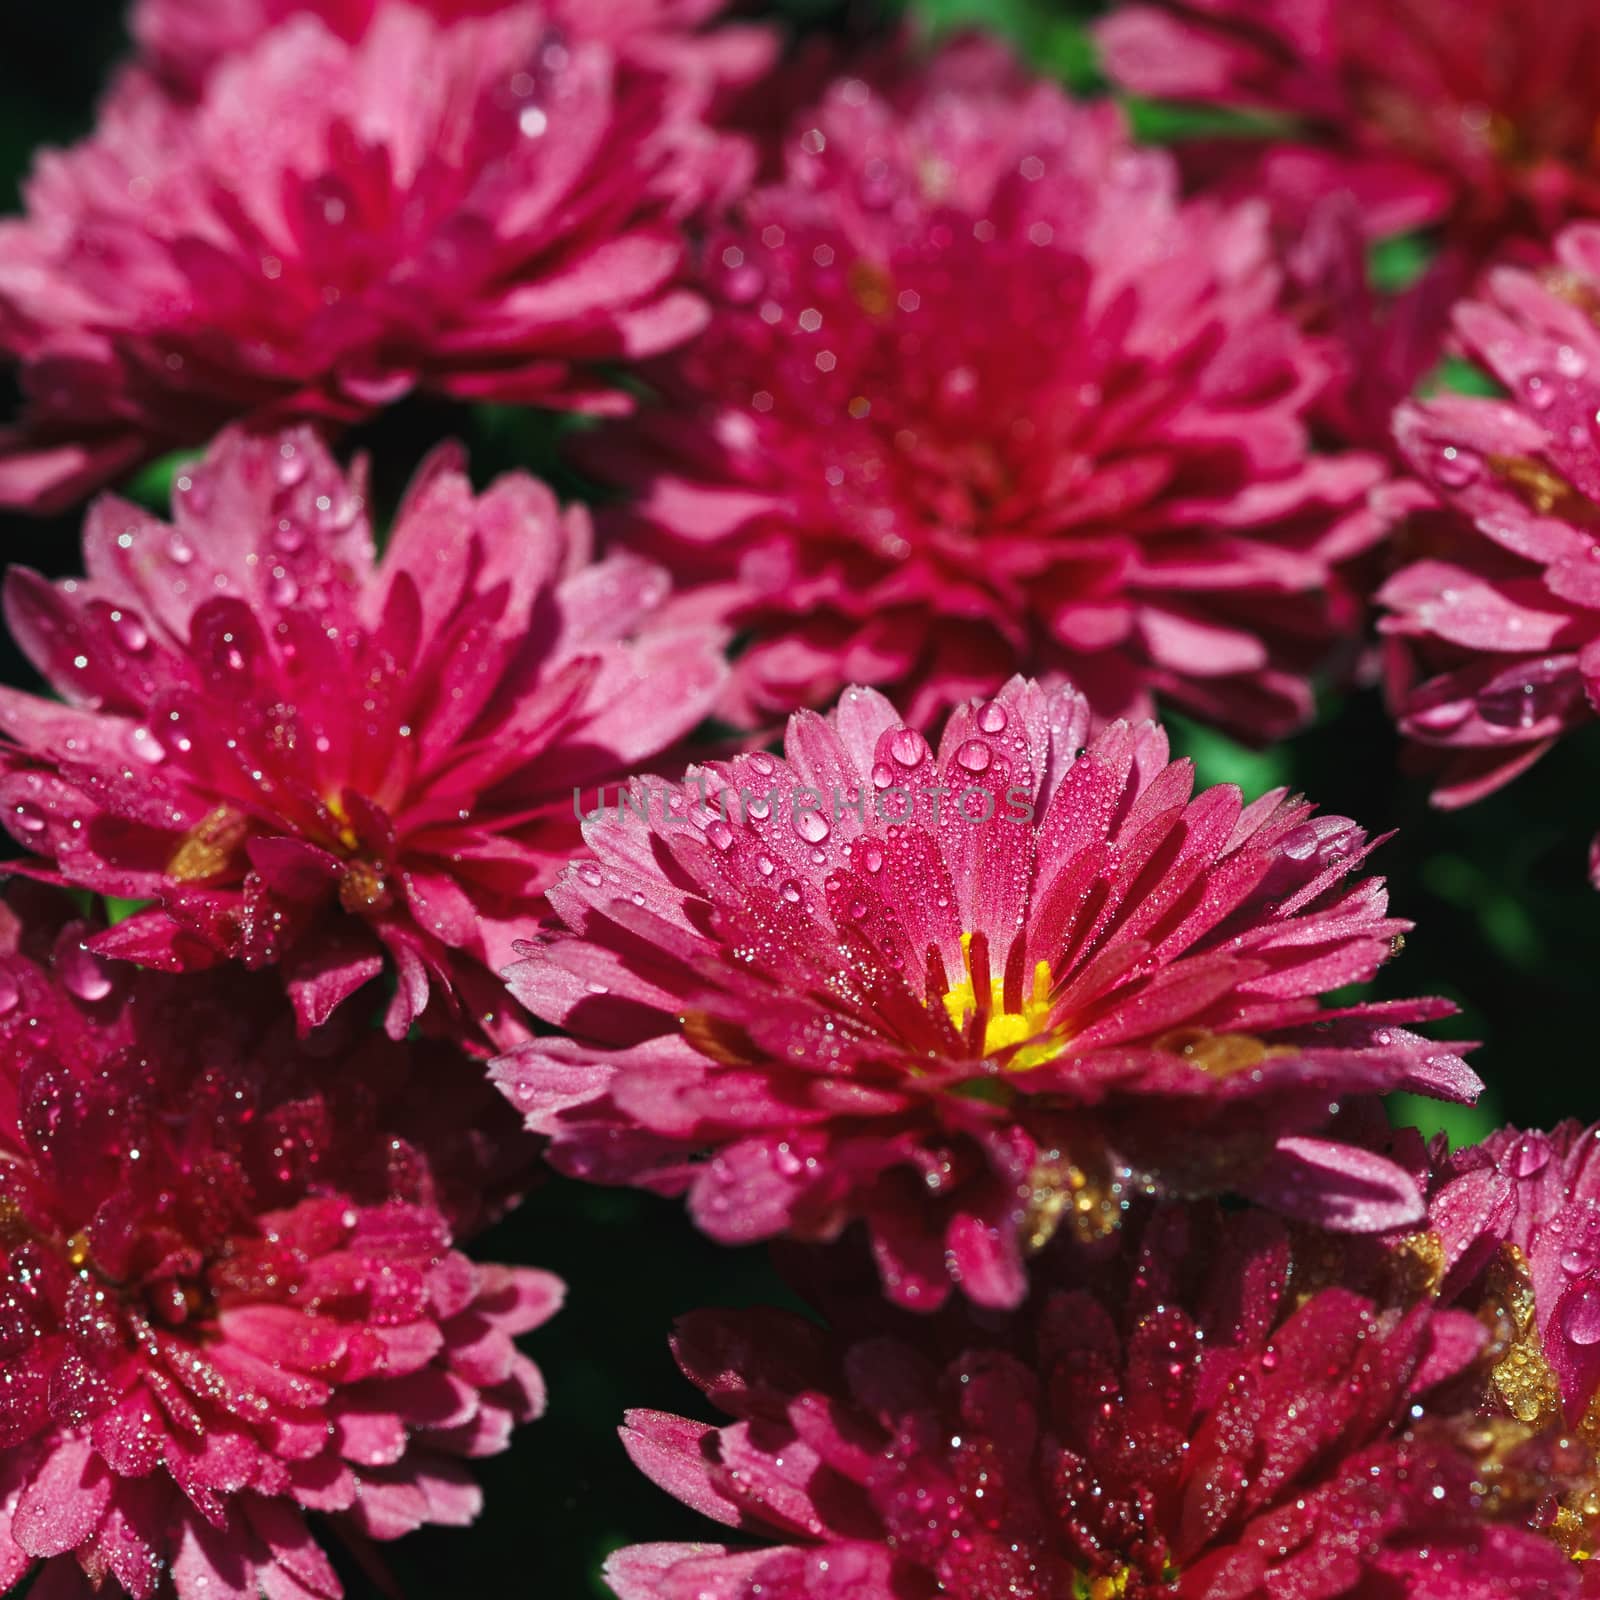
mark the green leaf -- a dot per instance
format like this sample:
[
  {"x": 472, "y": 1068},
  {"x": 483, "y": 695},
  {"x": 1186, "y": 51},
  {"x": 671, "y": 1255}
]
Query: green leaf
[
  {"x": 119, "y": 910},
  {"x": 1461, "y": 1125},
  {"x": 1159, "y": 122},
  {"x": 1395, "y": 264},
  {"x": 1052, "y": 44},
  {"x": 1460, "y": 376},
  {"x": 1219, "y": 759},
  {"x": 151, "y": 485}
]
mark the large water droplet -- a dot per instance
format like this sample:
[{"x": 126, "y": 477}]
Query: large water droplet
[
  {"x": 1456, "y": 466},
  {"x": 907, "y": 746},
  {"x": 1530, "y": 1155},
  {"x": 130, "y": 631},
  {"x": 83, "y": 973},
  {"x": 790, "y": 890},
  {"x": 28, "y": 817},
  {"x": 719, "y": 833},
  {"x": 812, "y": 826},
  {"x": 992, "y": 718},
  {"x": 146, "y": 747},
  {"x": 179, "y": 550},
  {"x": 882, "y": 775},
  {"x": 975, "y": 755}
]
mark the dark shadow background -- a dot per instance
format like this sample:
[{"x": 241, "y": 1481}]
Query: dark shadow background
[{"x": 1506, "y": 926}]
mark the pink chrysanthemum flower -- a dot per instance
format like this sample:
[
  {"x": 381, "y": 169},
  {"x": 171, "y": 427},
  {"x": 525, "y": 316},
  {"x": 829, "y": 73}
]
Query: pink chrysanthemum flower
[
  {"x": 1480, "y": 116},
  {"x": 1197, "y": 1424},
  {"x": 484, "y": 208},
  {"x": 187, "y": 39},
  {"x": 1076, "y": 979},
  {"x": 1514, "y": 1235},
  {"x": 306, "y": 754},
  {"x": 981, "y": 392},
  {"x": 1496, "y": 619},
  {"x": 228, "y": 1299}
]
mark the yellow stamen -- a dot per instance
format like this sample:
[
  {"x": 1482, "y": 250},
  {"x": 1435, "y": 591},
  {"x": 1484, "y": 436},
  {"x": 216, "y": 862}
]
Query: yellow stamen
[
  {"x": 207, "y": 849},
  {"x": 1002, "y": 1029}
]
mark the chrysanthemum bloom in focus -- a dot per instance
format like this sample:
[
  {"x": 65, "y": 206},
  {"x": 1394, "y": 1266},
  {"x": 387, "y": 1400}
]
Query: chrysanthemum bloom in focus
[
  {"x": 1197, "y": 1424},
  {"x": 1076, "y": 981},
  {"x": 483, "y": 208},
  {"x": 1496, "y": 619},
  {"x": 303, "y": 754},
  {"x": 187, "y": 39},
  {"x": 980, "y": 393},
  {"x": 227, "y": 1303}
]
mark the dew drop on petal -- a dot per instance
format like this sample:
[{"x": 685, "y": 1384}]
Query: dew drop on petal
[
  {"x": 882, "y": 775},
  {"x": 29, "y": 818},
  {"x": 130, "y": 631},
  {"x": 1580, "y": 1319},
  {"x": 83, "y": 973},
  {"x": 790, "y": 890},
  {"x": 974, "y": 755},
  {"x": 907, "y": 746},
  {"x": 1456, "y": 466},
  {"x": 145, "y": 746},
  {"x": 992, "y": 718},
  {"x": 719, "y": 833},
  {"x": 812, "y": 826},
  {"x": 1531, "y": 1155}
]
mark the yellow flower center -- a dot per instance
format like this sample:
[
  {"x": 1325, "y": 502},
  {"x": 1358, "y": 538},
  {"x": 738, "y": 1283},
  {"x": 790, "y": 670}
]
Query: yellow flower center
[{"x": 1002, "y": 1029}]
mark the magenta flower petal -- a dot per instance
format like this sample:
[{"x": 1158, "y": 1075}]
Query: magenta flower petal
[
  {"x": 966, "y": 996},
  {"x": 1421, "y": 110},
  {"x": 364, "y": 200},
  {"x": 1494, "y": 622},
  {"x": 232, "y": 1286},
  {"x": 309, "y": 756},
  {"x": 1199, "y": 1420},
  {"x": 883, "y": 480}
]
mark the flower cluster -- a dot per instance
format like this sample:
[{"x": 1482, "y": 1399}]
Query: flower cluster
[{"x": 784, "y": 804}]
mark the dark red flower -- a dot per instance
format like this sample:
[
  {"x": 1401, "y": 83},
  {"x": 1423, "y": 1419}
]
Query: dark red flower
[
  {"x": 1193, "y": 1421},
  {"x": 228, "y": 1296}
]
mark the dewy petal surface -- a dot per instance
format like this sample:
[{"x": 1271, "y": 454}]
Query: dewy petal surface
[
  {"x": 302, "y": 754},
  {"x": 981, "y": 392},
  {"x": 966, "y": 996},
  {"x": 232, "y": 1293},
  {"x": 487, "y": 206},
  {"x": 1186, "y": 1419}
]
